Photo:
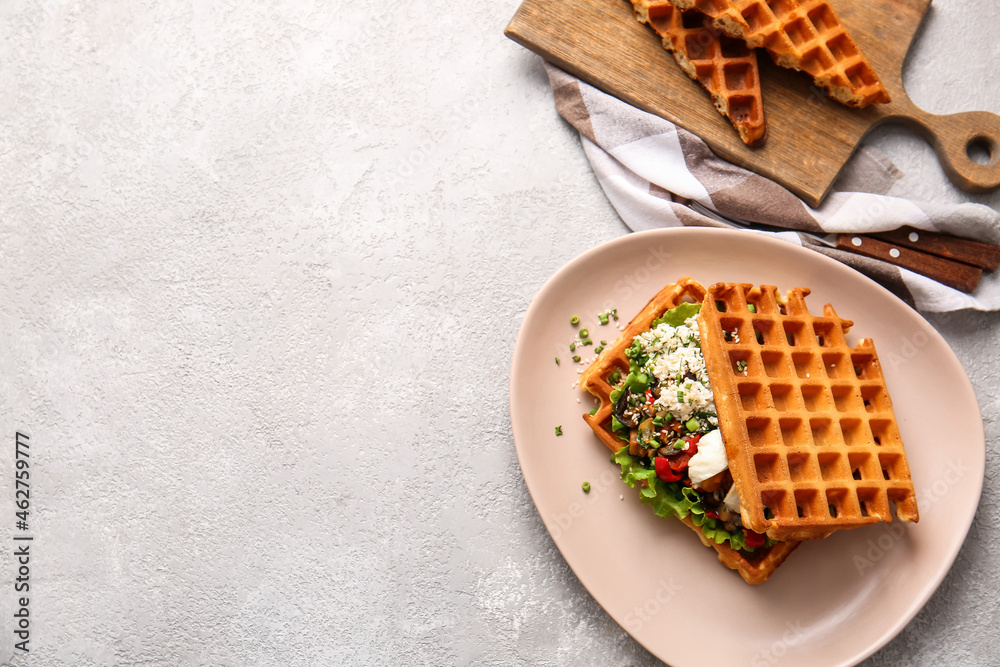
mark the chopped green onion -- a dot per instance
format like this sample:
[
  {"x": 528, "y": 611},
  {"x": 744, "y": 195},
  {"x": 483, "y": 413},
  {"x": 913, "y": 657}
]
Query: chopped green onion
[
  {"x": 586, "y": 487},
  {"x": 557, "y": 361},
  {"x": 680, "y": 444},
  {"x": 614, "y": 313},
  {"x": 692, "y": 424},
  {"x": 558, "y": 430},
  {"x": 752, "y": 308},
  {"x": 615, "y": 377},
  {"x": 576, "y": 357},
  {"x": 574, "y": 320},
  {"x": 572, "y": 346},
  {"x": 604, "y": 342},
  {"x": 598, "y": 349},
  {"x": 586, "y": 341},
  {"x": 657, "y": 421},
  {"x": 584, "y": 333},
  {"x": 603, "y": 317},
  {"x": 680, "y": 397},
  {"x": 593, "y": 412},
  {"x": 637, "y": 382}
]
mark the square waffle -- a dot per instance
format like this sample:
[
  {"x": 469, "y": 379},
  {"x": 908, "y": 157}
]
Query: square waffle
[
  {"x": 755, "y": 568},
  {"x": 811, "y": 437},
  {"x": 724, "y": 66},
  {"x": 803, "y": 35}
]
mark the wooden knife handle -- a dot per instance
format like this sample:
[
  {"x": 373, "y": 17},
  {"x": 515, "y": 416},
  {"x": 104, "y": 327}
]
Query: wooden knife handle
[
  {"x": 983, "y": 255},
  {"x": 947, "y": 272}
]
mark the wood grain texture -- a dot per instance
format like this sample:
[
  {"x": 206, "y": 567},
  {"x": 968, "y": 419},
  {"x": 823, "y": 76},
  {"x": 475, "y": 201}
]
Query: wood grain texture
[
  {"x": 982, "y": 255},
  {"x": 810, "y": 137},
  {"x": 962, "y": 277}
]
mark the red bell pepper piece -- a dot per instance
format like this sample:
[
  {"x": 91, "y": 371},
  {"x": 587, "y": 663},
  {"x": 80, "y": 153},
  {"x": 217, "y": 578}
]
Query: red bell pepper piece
[
  {"x": 753, "y": 539},
  {"x": 663, "y": 471},
  {"x": 680, "y": 462}
]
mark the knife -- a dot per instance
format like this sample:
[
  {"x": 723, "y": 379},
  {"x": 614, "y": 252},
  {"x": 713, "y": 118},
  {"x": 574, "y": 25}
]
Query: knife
[
  {"x": 933, "y": 255},
  {"x": 976, "y": 253}
]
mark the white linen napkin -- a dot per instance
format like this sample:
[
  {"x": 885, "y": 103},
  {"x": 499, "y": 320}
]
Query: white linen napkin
[{"x": 652, "y": 170}]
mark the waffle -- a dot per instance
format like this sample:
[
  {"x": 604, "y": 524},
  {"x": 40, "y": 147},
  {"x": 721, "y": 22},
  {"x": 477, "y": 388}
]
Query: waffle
[
  {"x": 723, "y": 65},
  {"x": 808, "y": 423},
  {"x": 803, "y": 35},
  {"x": 754, "y": 569}
]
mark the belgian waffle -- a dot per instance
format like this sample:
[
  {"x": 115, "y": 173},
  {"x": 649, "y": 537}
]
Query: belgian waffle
[
  {"x": 754, "y": 569},
  {"x": 723, "y": 65},
  {"x": 811, "y": 437},
  {"x": 804, "y": 35}
]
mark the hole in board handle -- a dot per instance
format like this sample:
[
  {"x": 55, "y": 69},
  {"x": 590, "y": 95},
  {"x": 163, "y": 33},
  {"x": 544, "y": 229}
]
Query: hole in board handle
[{"x": 982, "y": 150}]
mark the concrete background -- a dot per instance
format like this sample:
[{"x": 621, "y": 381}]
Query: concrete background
[{"x": 263, "y": 266}]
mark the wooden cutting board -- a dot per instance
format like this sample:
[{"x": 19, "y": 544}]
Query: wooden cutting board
[{"x": 810, "y": 137}]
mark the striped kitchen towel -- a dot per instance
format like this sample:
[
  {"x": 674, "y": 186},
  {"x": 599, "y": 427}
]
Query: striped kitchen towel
[{"x": 653, "y": 172}]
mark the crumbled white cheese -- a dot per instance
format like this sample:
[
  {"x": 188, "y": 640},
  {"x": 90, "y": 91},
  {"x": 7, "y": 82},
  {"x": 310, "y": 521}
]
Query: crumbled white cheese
[
  {"x": 710, "y": 459},
  {"x": 674, "y": 354}
]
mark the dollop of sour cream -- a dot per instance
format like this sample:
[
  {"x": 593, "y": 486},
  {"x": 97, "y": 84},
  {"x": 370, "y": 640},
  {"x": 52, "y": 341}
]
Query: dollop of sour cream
[{"x": 710, "y": 459}]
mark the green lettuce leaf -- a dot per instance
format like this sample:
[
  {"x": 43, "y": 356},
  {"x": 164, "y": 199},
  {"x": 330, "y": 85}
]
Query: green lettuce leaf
[
  {"x": 676, "y": 316},
  {"x": 674, "y": 499}
]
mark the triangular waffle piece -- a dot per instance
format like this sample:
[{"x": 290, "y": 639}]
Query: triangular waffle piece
[
  {"x": 723, "y": 65},
  {"x": 804, "y": 35},
  {"x": 754, "y": 569},
  {"x": 810, "y": 433}
]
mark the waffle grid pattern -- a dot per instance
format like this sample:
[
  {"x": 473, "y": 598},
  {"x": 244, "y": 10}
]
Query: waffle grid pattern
[
  {"x": 594, "y": 379},
  {"x": 817, "y": 440},
  {"x": 806, "y": 35},
  {"x": 724, "y": 66}
]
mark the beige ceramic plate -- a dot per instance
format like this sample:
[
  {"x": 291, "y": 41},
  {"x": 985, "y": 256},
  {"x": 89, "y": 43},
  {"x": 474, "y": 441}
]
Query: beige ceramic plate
[{"x": 833, "y": 602}]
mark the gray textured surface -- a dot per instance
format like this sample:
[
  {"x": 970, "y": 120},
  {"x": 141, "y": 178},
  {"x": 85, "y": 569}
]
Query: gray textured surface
[{"x": 263, "y": 268}]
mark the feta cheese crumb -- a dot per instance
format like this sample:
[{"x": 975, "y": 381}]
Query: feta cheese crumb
[{"x": 676, "y": 361}]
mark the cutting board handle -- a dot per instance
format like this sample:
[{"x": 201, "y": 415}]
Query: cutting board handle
[{"x": 953, "y": 136}]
